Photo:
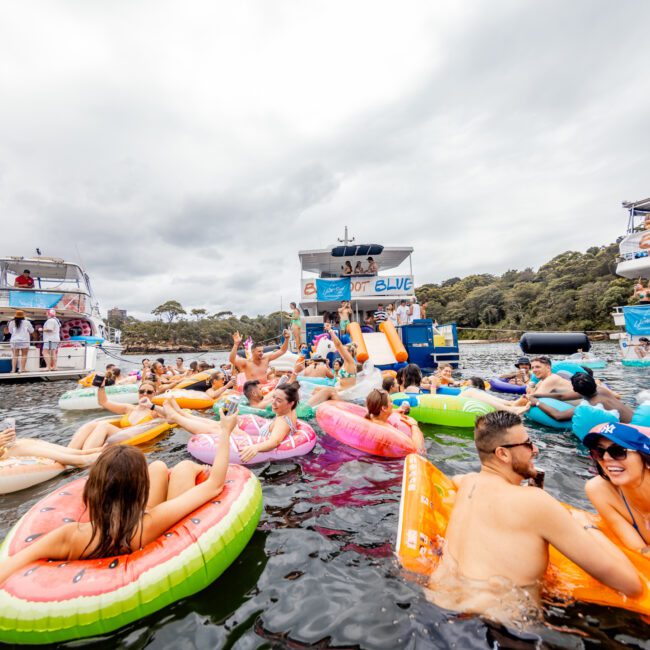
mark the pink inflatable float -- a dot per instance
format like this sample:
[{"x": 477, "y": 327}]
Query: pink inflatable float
[
  {"x": 203, "y": 446},
  {"x": 347, "y": 423}
]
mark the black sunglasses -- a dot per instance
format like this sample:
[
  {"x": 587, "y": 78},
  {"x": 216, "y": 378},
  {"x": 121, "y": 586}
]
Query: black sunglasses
[
  {"x": 146, "y": 392},
  {"x": 616, "y": 452},
  {"x": 526, "y": 443}
]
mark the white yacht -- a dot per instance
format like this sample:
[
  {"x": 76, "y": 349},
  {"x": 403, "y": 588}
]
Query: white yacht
[
  {"x": 633, "y": 262},
  {"x": 65, "y": 287},
  {"x": 324, "y": 284}
]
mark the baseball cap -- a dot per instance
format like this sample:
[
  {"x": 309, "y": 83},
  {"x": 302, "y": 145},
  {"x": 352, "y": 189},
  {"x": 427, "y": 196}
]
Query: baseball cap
[{"x": 630, "y": 436}]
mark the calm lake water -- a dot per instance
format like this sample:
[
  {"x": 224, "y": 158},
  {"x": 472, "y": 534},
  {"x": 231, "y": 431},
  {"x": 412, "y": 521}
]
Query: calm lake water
[{"x": 320, "y": 570}]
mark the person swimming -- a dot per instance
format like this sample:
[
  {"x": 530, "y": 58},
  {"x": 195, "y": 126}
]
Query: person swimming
[{"x": 497, "y": 539}]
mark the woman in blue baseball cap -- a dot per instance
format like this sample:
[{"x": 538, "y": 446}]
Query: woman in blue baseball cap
[{"x": 621, "y": 491}]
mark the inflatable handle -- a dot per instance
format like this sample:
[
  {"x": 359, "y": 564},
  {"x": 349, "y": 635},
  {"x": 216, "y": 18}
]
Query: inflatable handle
[
  {"x": 354, "y": 330},
  {"x": 394, "y": 340}
]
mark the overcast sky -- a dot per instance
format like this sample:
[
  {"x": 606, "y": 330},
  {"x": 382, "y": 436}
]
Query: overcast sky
[{"x": 188, "y": 150}]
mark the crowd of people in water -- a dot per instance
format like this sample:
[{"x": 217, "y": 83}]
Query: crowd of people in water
[{"x": 501, "y": 525}]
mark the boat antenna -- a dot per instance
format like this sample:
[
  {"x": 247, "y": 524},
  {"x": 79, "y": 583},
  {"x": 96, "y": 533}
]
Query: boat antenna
[{"x": 346, "y": 240}]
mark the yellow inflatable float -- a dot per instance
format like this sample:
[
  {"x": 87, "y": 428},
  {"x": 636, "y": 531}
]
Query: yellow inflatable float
[
  {"x": 427, "y": 500},
  {"x": 187, "y": 399}
]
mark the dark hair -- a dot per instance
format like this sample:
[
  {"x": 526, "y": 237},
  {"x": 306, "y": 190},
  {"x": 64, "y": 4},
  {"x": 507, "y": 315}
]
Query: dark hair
[
  {"x": 584, "y": 384},
  {"x": 194, "y": 365},
  {"x": 145, "y": 359},
  {"x": 543, "y": 359},
  {"x": 249, "y": 386},
  {"x": 376, "y": 400},
  {"x": 412, "y": 375},
  {"x": 293, "y": 304},
  {"x": 217, "y": 375},
  {"x": 291, "y": 392},
  {"x": 116, "y": 495},
  {"x": 116, "y": 372},
  {"x": 161, "y": 360},
  {"x": 387, "y": 383},
  {"x": 180, "y": 359},
  {"x": 490, "y": 429},
  {"x": 477, "y": 382},
  {"x": 399, "y": 376}
]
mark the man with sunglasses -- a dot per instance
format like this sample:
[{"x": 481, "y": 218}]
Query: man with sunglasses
[{"x": 499, "y": 531}]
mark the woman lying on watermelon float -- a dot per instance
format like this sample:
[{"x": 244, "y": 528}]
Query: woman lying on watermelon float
[{"x": 146, "y": 502}]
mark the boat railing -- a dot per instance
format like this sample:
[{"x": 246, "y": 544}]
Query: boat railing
[
  {"x": 113, "y": 334},
  {"x": 71, "y": 355},
  {"x": 63, "y": 300}
]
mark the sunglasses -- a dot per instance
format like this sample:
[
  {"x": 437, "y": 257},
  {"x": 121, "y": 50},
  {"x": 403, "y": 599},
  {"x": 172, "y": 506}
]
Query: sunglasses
[
  {"x": 616, "y": 452},
  {"x": 146, "y": 392},
  {"x": 526, "y": 443}
]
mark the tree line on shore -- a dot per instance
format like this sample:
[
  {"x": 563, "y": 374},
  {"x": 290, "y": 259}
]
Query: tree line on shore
[{"x": 573, "y": 291}]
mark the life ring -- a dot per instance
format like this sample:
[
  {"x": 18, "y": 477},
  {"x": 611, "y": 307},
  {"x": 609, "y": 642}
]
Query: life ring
[
  {"x": 203, "y": 447},
  {"x": 50, "y": 602},
  {"x": 445, "y": 410},
  {"x": 186, "y": 399},
  {"x": 347, "y": 423},
  {"x": 21, "y": 472}
]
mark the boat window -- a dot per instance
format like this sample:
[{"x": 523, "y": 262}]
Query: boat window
[{"x": 47, "y": 275}]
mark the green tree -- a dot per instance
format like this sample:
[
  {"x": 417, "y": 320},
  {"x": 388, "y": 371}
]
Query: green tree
[{"x": 169, "y": 310}]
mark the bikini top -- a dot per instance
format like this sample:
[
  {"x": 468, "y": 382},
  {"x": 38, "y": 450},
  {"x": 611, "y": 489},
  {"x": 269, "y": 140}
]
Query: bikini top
[
  {"x": 634, "y": 524},
  {"x": 265, "y": 430},
  {"x": 344, "y": 374}
]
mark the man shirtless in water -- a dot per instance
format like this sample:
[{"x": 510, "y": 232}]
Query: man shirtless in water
[
  {"x": 548, "y": 382},
  {"x": 257, "y": 366},
  {"x": 499, "y": 532}
]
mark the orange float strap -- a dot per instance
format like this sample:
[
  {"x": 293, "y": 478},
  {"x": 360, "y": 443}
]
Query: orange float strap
[
  {"x": 394, "y": 341},
  {"x": 356, "y": 335},
  {"x": 427, "y": 500}
]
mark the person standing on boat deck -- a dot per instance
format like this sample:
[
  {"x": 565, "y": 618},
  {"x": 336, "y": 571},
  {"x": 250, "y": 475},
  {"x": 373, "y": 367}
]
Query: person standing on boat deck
[
  {"x": 414, "y": 311},
  {"x": 296, "y": 325},
  {"x": 372, "y": 266},
  {"x": 358, "y": 269},
  {"x": 51, "y": 339},
  {"x": 345, "y": 316},
  {"x": 423, "y": 309},
  {"x": 347, "y": 268},
  {"x": 499, "y": 532},
  {"x": 24, "y": 281},
  {"x": 380, "y": 315},
  {"x": 402, "y": 313},
  {"x": 258, "y": 365},
  {"x": 391, "y": 314},
  {"x": 20, "y": 329}
]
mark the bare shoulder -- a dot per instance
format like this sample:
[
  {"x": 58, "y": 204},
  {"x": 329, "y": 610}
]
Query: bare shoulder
[
  {"x": 459, "y": 479},
  {"x": 598, "y": 488}
]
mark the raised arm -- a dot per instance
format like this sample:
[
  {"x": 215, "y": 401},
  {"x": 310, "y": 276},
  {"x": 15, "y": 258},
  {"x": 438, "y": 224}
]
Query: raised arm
[
  {"x": 113, "y": 407},
  {"x": 284, "y": 347},
  {"x": 237, "y": 363},
  {"x": 340, "y": 348},
  {"x": 584, "y": 544}
]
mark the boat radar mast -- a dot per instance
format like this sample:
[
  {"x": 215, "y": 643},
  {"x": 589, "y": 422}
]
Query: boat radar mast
[{"x": 345, "y": 241}]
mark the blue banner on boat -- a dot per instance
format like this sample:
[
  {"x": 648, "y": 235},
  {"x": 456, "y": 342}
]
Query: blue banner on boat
[
  {"x": 33, "y": 299},
  {"x": 637, "y": 320},
  {"x": 333, "y": 290}
]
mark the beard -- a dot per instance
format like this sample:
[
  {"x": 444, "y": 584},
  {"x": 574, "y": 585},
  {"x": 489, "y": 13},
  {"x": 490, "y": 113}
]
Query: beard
[{"x": 523, "y": 469}]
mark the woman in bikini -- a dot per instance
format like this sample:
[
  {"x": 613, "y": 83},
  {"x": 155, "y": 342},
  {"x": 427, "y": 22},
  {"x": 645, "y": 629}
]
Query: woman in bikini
[
  {"x": 295, "y": 325},
  {"x": 129, "y": 505},
  {"x": 621, "y": 491},
  {"x": 95, "y": 433},
  {"x": 284, "y": 402}
]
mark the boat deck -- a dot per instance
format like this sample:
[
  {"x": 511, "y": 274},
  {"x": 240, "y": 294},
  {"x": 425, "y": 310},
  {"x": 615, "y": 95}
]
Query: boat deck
[{"x": 43, "y": 375}]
